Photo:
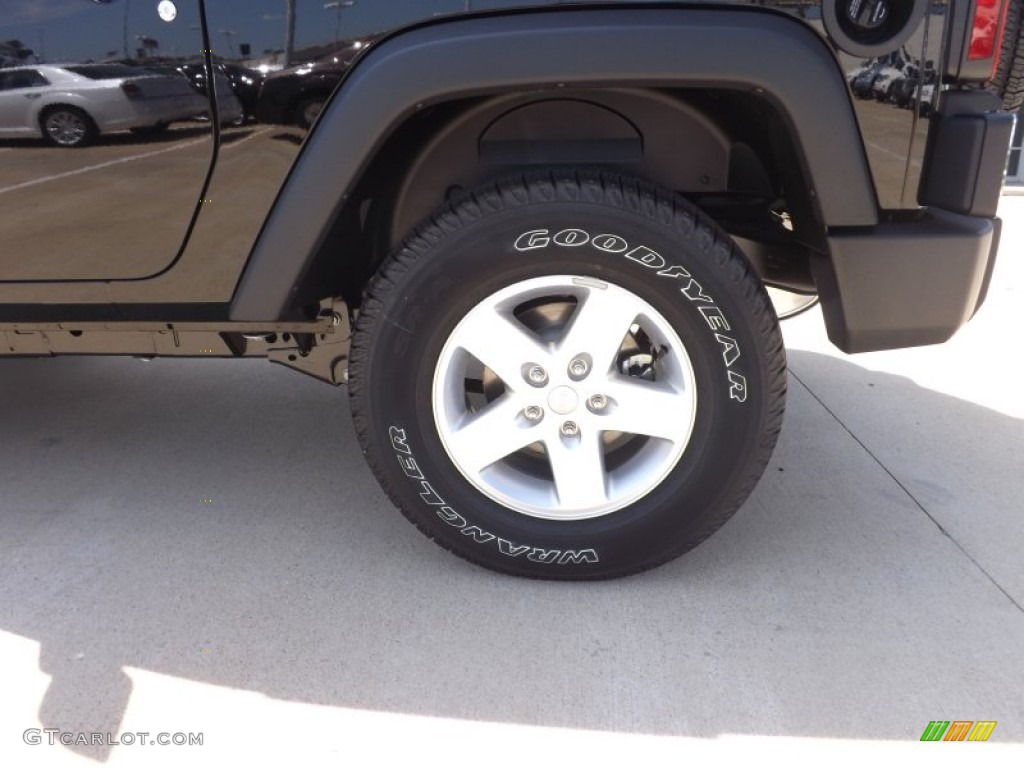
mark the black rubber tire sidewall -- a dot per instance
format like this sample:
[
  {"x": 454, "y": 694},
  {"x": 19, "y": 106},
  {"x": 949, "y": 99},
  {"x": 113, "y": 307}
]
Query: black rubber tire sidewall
[{"x": 724, "y": 455}]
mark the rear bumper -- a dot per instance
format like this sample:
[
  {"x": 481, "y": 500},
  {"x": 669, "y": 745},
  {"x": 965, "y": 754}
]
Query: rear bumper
[
  {"x": 906, "y": 284},
  {"x": 146, "y": 112},
  {"x": 913, "y": 282}
]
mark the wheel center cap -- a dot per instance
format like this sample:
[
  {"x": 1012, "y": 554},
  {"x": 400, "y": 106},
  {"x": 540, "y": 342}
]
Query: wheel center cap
[{"x": 563, "y": 400}]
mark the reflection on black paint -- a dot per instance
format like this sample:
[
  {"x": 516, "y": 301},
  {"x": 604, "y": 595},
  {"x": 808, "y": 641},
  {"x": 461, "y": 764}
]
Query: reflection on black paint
[{"x": 120, "y": 207}]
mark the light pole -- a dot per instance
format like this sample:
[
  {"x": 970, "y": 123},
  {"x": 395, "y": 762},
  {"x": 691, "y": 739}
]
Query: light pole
[
  {"x": 340, "y": 5},
  {"x": 124, "y": 29},
  {"x": 124, "y": 24},
  {"x": 228, "y": 34},
  {"x": 289, "y": 35}
]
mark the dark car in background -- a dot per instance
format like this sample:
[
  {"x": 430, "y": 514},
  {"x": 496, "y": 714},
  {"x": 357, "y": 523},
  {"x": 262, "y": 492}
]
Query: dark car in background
[
  {"x": 875, "y": 78},
  {"x": 295, "y": 96},
  {"x": 244, "y": 83},
  {"x": 904, "y": 91}
]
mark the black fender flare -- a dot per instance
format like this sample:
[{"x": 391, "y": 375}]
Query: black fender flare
[{"x": 760, "y": 51}]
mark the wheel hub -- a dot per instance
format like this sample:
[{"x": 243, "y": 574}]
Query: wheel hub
[
  {"x": 65, "y": 128},
  {"x": 563, "y": 400}
]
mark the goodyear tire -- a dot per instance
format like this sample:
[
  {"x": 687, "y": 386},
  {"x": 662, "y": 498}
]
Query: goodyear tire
[
  {"x": 1008, "y": 82},
  {"x": 569, "y": 375}
]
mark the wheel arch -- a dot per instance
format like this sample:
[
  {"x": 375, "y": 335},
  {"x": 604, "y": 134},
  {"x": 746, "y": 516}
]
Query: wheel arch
[
  {"x": 420, "y": 75},
  {"x": 62, "y": 100}
]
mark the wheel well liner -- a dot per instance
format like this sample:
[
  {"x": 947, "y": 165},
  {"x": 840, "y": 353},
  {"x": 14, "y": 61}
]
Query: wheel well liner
[
  {"x": 635, "y": 131},
  {"x": 772, "y": 55}
]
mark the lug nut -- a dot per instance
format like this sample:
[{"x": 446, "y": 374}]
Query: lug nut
[
  {"x": 597, "y": 402},
  {"x": 536, "y": 375},
  {"x": 578, "y": 368},
  {"x": 570, "y": 429},
  {"x": 533, "y": 413}
]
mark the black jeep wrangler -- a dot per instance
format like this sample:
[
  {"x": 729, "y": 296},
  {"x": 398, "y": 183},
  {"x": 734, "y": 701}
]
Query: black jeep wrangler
[{"x": 534, "y": 242}]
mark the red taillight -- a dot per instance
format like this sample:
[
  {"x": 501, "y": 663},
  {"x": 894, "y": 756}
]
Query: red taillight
[
  {"x": 987, "y": 31},
  {"x": 131, "y": 90}
]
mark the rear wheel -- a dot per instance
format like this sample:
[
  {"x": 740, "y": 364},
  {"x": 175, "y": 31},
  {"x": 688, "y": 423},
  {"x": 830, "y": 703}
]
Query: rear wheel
[
  {"x": 68, "y": 127},
  {"x": 568, "y": 376},
  {"x": 307, "y": 111}
]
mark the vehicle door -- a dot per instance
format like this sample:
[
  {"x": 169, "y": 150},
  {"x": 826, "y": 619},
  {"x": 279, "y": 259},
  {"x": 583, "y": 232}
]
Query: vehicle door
[
  {"x": 18, "y": 89},
  {"x": 119, "y": 208}
]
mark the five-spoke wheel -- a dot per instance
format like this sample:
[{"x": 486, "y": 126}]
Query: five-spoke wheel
[{"x": 564, "y": 397}]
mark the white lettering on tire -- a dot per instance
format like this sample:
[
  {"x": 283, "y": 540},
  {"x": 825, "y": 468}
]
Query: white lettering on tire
[
  {"x": 528, "y": 241},
  {"x": 572, "y": 238},
  {"x": 647, "y": 257},
  {"x": 715, "y": 319},
  {"x": 737, "y": 387},
  {"x": 730, "y": 349},
  {"x": 610, "y": 243},
  {"x": 410, "y": 467}
]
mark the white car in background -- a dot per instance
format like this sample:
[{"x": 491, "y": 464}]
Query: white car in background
[{"x": 69, "y": 105}]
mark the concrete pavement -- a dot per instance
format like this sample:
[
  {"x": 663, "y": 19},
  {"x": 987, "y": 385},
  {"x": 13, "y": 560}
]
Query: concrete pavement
[{"x": 197, "y": 546}]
